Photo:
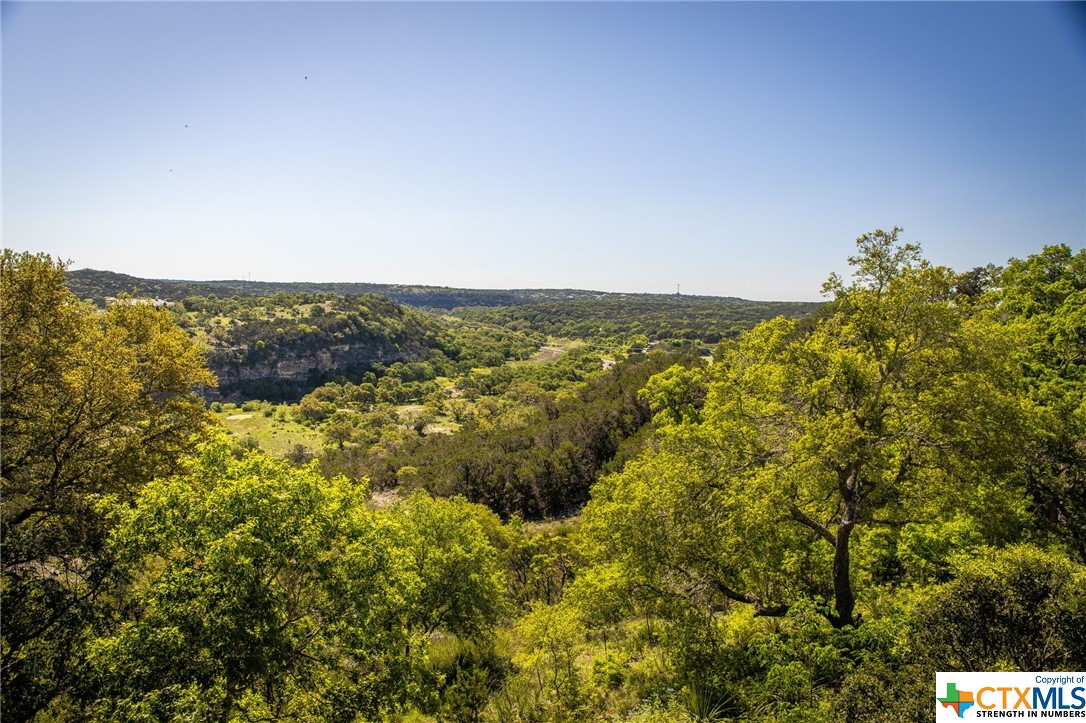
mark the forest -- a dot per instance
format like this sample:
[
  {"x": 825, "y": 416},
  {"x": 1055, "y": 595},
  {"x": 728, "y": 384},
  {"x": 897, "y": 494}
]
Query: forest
[
  {"x": 570, "y": 313},
  {"x": 96, "y": 286},
  {"x": 320, "y": 504}
]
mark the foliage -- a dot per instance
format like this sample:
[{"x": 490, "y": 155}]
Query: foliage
[
  {"x": 93, "y": 404},
  {"x": 280, "y": 347},
  {"x": 262, "y": 589},
  {"x": 251, "y": 342},
  {"x": 537, "y": 457},
  {"x": 550, "y": 638},
  {"x": 1046, "y": 295},
  {"x": 258, "y": 588},
  {"x": 1020, "y": 608},
  {"x": 461, "y": 586},
  {"x": 637, "y": 319},
  {"x": 878, "y": 412},
  {"x": 540, "y": 565},
  {"x": 97, "y": 285},
  {"x": 804, "y": 530}
]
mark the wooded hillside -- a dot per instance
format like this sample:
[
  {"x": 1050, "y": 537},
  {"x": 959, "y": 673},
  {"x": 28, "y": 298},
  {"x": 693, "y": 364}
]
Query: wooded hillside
[
  {"x": 804, "y": 529},
  {"x": 97, "y": 285}
]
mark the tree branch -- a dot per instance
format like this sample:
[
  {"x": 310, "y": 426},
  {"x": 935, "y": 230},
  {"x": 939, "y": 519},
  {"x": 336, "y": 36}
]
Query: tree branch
[
  {"x": 815, "y": 525},
  {"x": 760, "y": 610}
]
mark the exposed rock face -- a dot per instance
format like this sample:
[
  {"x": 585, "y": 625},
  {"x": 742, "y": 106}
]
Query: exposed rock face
[
  {"x": 299, "y": 369},
  {"x": 281, "y": 347},
  {"x": 297, "y": 364}
]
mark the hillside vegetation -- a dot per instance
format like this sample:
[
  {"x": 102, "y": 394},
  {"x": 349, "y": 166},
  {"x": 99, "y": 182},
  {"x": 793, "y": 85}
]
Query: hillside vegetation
[
  {"x": 282, "y": 346},
  {"x": 279, "y": 341},
  {"x": 98, "y": 285},
  {"x": 804, "y": 529},
  {"x": 639, "y": 320}
]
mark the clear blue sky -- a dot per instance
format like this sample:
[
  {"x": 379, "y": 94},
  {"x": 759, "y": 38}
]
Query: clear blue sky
[{"x": 734, "y": 148}]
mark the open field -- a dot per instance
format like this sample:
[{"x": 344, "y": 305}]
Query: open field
[{"x": 276, "y": 434}]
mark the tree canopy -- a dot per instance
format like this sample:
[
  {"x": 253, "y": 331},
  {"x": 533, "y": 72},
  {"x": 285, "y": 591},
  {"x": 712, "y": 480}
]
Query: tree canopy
[
  {"x": 257, "y": 588},
  {"x": 804, "y": 529},
  {"x": 94, "y": 405},
  {"x": 897, "y": 406}
]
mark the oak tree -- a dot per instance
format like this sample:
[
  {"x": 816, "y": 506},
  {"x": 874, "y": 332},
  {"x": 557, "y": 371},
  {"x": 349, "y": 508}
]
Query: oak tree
[{"x": 895, "y": 405}]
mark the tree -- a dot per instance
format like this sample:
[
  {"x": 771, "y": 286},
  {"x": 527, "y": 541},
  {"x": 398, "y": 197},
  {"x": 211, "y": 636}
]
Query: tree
[
  {"x": 1022, "y": 607},
  {"x": 1044, "y": 296},
  {"x": 339, "y": 430},
  {"x": 897, "y": 404},
  {"x": 93, "y": 405},
  {"x": 260, "y": 589},
  {"x": 461, "y": 587},
  {"x": 550, "y": 640}
]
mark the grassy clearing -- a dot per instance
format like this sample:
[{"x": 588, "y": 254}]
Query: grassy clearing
[
  {"x": 552, "y": 350},
  {"x": 275, "y": 434}
]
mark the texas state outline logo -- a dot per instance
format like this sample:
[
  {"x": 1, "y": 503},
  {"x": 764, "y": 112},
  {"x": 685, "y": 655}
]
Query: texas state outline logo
[{"x": 958, "y": 700}]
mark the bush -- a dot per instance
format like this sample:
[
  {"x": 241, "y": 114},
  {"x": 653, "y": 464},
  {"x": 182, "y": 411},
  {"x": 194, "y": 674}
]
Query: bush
[{"x": 1020, "y": 608}]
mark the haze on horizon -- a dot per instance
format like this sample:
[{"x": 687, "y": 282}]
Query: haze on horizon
[{"x": 734, "y": 148}]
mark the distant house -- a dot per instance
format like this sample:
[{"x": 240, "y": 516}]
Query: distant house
[{"x": 608, "y": 363}]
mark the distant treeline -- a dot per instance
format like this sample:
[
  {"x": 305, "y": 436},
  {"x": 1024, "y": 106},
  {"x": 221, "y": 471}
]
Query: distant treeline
[
  {"x": 625, "y": 319},
  {"x": 98, "y": 285}
]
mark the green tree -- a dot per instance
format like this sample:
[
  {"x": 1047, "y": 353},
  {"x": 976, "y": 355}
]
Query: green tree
[
  {"x": 93, "y": 404},
  {"x": 340, "y": 429},
  {"x": 261, "y": 591},
  {"x": 312, "y": 409},
  {"x": 678, "y": 393},
  {"x": 461, "y": 586},
  {"x": 897, "y": 404},
  {"x": 1044, "y": 296},
  {"x": 1020, "y": 608},
  {"x": 551, "y": 638}
]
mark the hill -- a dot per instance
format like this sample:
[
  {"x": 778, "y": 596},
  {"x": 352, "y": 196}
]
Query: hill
[
  {"x": 97, "y": 285},
  {"x": 279, "y": 347},
  {"x": 276, "y": 341},
  {"x": 638, "y": 319}
]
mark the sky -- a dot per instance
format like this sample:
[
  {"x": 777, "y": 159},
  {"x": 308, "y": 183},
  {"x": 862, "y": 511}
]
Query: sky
[{"x": 722, "y": 148}]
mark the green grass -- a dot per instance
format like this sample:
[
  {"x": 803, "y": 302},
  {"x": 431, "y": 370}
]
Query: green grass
[{"x": 275, "y": 436}]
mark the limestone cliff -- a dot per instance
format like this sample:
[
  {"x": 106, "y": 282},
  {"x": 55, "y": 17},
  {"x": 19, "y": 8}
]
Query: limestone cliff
[{"x": 279, "y": 357}]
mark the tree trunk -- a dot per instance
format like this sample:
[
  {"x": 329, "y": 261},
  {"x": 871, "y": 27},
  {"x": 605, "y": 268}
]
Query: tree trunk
[
  {"x": 844, "y": 601},
  {"x": 848, "y": 480}
]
